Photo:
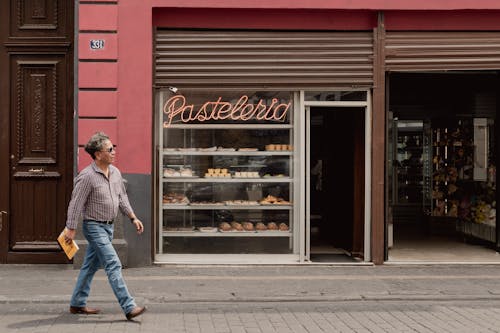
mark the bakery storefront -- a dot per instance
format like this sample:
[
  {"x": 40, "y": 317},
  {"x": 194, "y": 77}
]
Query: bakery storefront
[{"x": 247, "y": 174}]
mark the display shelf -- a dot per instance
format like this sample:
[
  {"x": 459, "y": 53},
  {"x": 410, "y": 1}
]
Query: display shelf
[
  {"x": 226, "y": 180},
  {"x": 229, "y": 153},
  {"x": 227, "y": 207},
  {"x": 227, "y": 234},
  {"x": 408, "y": 166}
]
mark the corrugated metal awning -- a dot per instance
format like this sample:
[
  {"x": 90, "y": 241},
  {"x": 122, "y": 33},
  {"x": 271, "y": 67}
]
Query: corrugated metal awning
[
  {"x": 263, "y": 59},
  {"x": 428, "y": 51}
]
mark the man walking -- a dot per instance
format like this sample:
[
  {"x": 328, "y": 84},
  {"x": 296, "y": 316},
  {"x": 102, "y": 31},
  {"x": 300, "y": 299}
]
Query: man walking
[{"x": 97, "y": 195}]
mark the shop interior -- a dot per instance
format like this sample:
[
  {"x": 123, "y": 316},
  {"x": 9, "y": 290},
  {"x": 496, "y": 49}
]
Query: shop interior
[
  {"x": 336, "y": 184},
  {"x": 443, "y": 150}
]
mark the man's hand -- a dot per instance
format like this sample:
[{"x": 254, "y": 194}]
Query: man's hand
[
  {"x": 138, "y": 226},
  {"x": 69, "y": 235}
]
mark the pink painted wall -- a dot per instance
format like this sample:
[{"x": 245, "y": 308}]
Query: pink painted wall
[
  {"x": 135, "y": 77},
  {"x": 98, "y": 75},
  {"x": 97, "y": 17},
  {"x": 97, "y": 104}
]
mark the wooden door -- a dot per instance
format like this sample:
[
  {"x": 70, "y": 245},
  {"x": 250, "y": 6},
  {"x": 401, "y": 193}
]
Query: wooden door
[{"x": 36, "y": 127}]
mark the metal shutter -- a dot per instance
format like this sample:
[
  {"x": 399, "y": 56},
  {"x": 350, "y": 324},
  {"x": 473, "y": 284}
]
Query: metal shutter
[
  {"x": 190, "y": 58},
  {"x": 427, "y": 51}
]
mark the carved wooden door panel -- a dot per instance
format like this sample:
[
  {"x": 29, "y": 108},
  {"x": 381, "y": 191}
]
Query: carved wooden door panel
[{"x": 37, "y": 99}]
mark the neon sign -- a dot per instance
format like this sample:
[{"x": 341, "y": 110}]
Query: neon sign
[{"x": 176, "y": 109}]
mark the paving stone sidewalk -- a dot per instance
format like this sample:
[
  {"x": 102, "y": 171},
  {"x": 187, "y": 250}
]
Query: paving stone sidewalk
[
  {"x": 157, "y": 284},
  {"x": 261, "y": 299},
  {"x": 269, "y": 317}
]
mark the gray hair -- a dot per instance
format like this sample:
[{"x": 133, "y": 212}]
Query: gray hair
[{"x": 96, "y": 143}]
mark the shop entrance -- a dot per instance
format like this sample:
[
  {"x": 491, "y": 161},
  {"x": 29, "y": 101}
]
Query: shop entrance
[
  {"x": 336, "y": 186},
  {"x": 443, "y": 150}
]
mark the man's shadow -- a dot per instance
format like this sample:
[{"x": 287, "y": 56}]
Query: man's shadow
[{"x": 64, "y": 319}]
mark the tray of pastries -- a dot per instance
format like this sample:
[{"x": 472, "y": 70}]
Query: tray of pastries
[
  {"x": 207, "y": 203},
  {"x": 225, "y": 149},
  {"x": 246, "y": 174},
  {"x": 236, "y": 227},
  {"x": 181, "y": 172},
  {"x": 272, "y": 200},
  {"x": 217, "y": 173},
  {"x": 175, "y": 199},
  {"x": 276, "y": 227},
  {"x": 207, "y": 229},
  {"x": 241, "y": 203},
  {"x": 276, "y": 146}
]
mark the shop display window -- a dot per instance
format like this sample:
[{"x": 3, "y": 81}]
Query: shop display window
[{"x": 226, "y": 172}]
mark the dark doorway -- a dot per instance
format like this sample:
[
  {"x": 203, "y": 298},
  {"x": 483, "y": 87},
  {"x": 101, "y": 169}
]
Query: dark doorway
[
  {"x": 443, "y": 148},
  {"x": 337, "y": 183},
  {"x": 36, "y": 126}
]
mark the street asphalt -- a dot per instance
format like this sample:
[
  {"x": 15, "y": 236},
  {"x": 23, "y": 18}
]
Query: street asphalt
[{"x": 387, "y": 298}]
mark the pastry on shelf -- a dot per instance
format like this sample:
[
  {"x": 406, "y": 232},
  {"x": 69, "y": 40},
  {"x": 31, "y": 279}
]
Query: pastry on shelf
[
  {"x": 246, "y": 174},
  {"x": 283, "y": 227},
  {"x": 240, "y": 202},
  {"x": 175, "y": 199},
  {"x": 224, "y": 226},
  {"x": 217, "y": 173},
  {"x": 259, "y": 226},
  {"x": 207, "y": 203},
  {"x": 236, "y": 226},
  {"x": 207, "y": 229},
  {"x": 186, "y": 172},
  {"x": 225, "y": 149},
  {"x": 272, "y": 226},
  {"x": 282, "y": 201},
  {"x": 276, "y": 146},
  {"x": 247, "y": 149},
  {"x": 248, "y": 226},
  {"x": 272, "y": 200},
  {"x": 169, "y": 172}
]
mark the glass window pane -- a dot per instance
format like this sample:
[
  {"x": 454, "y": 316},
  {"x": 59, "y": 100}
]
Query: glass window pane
[{"x": 227, "y": 172}]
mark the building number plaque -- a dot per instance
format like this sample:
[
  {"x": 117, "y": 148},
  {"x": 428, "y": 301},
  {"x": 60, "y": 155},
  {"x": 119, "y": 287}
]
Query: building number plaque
[{"x": 96, "y": 44}]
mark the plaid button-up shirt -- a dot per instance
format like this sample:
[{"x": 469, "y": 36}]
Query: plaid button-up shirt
[{"x": 97, "y": 197}]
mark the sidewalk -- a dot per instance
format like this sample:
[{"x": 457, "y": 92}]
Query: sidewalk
[{"x": 28, "y": 284}]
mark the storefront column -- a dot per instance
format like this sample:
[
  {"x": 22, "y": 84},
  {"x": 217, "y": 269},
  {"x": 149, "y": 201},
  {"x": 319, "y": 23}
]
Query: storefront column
[{"x": 378, "y": 145}]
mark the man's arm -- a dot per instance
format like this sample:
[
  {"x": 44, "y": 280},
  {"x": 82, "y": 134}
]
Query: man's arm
[{"x": 81, "y": 191}]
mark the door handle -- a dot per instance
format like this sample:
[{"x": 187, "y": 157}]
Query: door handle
[
  {"x": 1, "y": 219},
  {"x": 33, "y": 170}
]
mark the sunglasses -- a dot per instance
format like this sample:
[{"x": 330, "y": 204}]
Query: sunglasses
[{"x": 110, "y": 149}]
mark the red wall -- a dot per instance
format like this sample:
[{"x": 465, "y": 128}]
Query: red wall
[
  {"x": 132, "y": 97},
  {"x": 264, "y": 19},
  {"x": 331, "y": 4}
]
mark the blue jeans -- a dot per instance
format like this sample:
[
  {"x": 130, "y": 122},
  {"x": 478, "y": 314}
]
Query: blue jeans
[{"x": 101, "y": 253}]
